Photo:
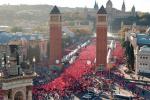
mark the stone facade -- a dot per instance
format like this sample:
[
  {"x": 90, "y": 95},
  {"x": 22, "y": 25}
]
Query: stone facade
[
  {"x": 143, "y": 60},
  {"x": 112, "y": 13},
  {"x": 141, "y": 45},
  {"x": 16, "y": 88}
]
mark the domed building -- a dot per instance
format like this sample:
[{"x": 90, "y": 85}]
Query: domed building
[{"x": 112, "y": 13}]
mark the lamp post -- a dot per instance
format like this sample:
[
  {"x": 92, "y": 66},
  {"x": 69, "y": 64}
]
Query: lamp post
[
  {"x": 3, "y": 64},
  {"x": 1, "y": 74},
  {"x": 101, "y": 69},
  {"x": 110, "y": 66},
  {"x": 88, "y": 62},
  {"x": 57, "y": 61},
  {"x": 8, "y": 61},
  {"x": 34, "y": 64}
]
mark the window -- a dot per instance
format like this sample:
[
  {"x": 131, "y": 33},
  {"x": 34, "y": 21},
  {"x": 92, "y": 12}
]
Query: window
[
  {"x": 54, "y": 18},
  {"x": 101, "y": 18},
  {"x": 9, "y": 94}
]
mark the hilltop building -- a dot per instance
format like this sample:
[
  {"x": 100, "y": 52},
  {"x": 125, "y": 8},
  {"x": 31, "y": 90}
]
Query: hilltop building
[{"x": 112, "y": 13}]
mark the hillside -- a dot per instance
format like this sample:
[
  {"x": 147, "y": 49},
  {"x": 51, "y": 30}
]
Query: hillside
[{"x": 27, "y": 16}]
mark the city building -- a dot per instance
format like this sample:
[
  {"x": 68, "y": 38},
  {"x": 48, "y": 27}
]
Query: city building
[
  {"x": 115, "y": 13},
  {"x": 55, "y": 29},
  {"x": 143, "y": 60},
  {"x": 143, "y": 53},
  {"x": 14, "y": 84},
  {"x": 25, "y": 46},
  {"x": 101, "y": 37},
  {"x": 82, "y": 26},
  {"x": 141, "y": 45},
  {"x": 112, "y": 13}
]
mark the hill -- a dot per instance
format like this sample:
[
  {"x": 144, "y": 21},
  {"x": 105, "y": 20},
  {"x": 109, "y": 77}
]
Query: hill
[{"x": 28, "y": 16}]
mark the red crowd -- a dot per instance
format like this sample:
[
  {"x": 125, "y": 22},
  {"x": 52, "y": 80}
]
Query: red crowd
[
  {"x": 118, "y": 52},
  {"x": 72, "y": 74}
]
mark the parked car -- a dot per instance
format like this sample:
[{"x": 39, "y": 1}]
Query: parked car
[
  {"x": 122, "y": 97},
  {"x": 88, "y": 95}
]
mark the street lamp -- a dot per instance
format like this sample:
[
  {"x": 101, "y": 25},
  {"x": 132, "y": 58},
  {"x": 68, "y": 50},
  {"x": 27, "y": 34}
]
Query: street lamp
[
  {"x": 8, "y": 57},
  {"x": 88, "y": 62},
  {"x": 34, "y": 64},
  {"x": 1, "y": 74},
  {"x": 3, "y": 63},
  {"x": 20, "y": 59},
  {"x": 101, "y": 69},
  {"x": 8, "y": 61},
  {"x": 57, "y": 61}
]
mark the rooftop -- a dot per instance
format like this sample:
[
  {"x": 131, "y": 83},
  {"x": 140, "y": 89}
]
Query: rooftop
[
  {"x": 102, "y": 10},
  {"x": 145, "y": 48},
  {"x": 6, "y": 37},
  {"x": 55, "y": 10},
  {"x": 143, "y": 39}
]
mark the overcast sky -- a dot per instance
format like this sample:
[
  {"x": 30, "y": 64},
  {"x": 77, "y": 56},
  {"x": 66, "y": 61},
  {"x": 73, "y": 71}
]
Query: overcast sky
[{"x": 140, "y": 5}]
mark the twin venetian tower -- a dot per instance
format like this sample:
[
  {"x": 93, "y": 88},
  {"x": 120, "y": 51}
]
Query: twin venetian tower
[
  {"x": 101, "y": 37},
  {"x": 55, "y": 29},
  {"x": 56, "y": 37}
]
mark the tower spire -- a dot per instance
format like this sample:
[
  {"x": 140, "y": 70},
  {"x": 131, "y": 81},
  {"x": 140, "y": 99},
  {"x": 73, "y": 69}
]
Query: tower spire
[
  {"x": 96, "y": 5},
  {"x": 123, "y": 6},
  {"x": 55, "y": 10}
]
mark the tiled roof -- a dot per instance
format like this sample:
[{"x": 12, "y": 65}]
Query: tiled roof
[
  {"x": 102, "y": 10},
  {"x": 55, "y": 10},
  {"x": 6, "y": 37},
  {"x": 143, "y": 39}
]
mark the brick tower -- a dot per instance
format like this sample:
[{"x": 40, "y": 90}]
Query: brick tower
[
  {"x": 55, "y": 36},
  {"x": 101, "y": 37}
]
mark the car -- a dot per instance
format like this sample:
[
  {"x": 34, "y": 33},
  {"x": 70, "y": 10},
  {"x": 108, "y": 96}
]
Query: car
[
  {"x": 97, "y": 98},
  {"x": 87, "y": 96},
  {"x": 122, "y": 97},
  {"x": 42, "y": 81}
]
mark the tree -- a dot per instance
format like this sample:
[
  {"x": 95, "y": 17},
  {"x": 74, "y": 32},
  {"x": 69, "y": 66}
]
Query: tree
[
  {"x": 132, "y": 57},
  {"x": 129, "y": 52}
]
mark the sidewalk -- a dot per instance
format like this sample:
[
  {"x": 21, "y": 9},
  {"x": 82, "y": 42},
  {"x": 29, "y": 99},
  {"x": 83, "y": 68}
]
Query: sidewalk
[
  {"x": 132, "y": 75},
  {"x": 122, "y": 91}
]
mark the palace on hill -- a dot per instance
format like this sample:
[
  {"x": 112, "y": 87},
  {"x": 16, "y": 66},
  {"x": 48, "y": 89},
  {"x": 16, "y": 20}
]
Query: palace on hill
[{"x": 112, "y": 14}]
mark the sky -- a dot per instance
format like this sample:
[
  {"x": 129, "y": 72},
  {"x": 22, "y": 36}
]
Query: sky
[{"x": 140, "y": 5}]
